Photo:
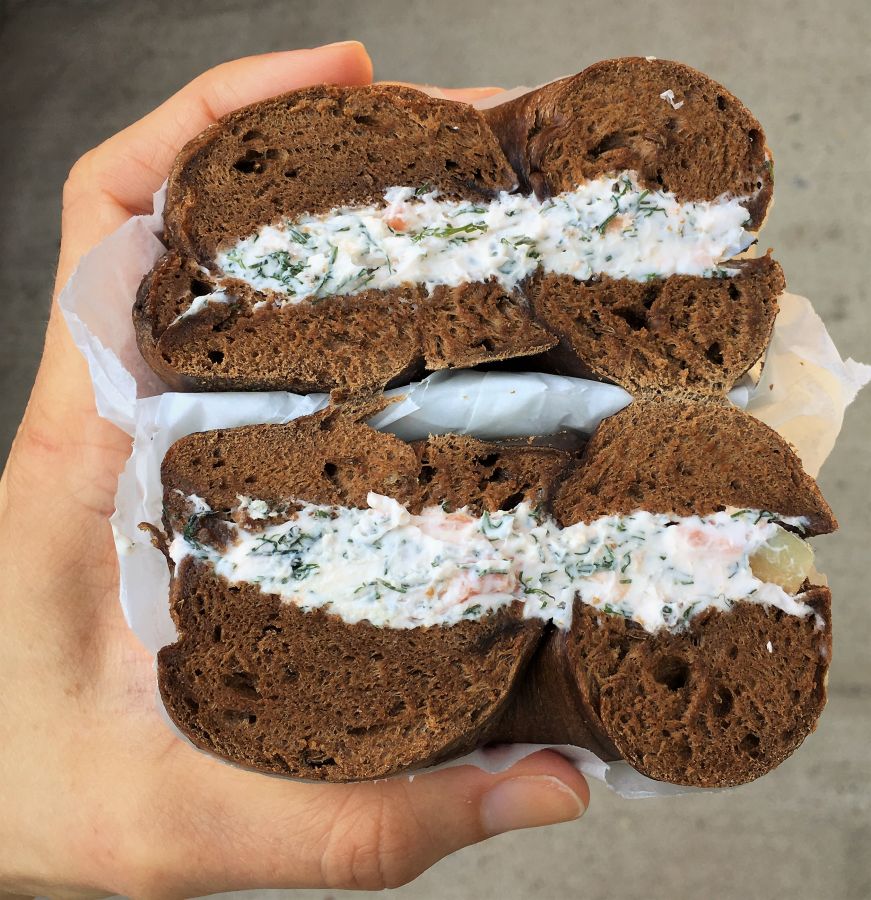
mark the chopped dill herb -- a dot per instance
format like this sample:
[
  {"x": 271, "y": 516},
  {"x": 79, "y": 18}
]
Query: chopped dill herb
[
  {"x": 334, "y": 250},
  {"x": 189, "y": 532},
  {"x": 448, "y": 231}
]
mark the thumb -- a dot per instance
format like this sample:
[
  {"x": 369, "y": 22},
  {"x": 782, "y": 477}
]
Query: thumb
[
  {"x": 370, "y": 836},
  {"x": 403, "y": 827}
]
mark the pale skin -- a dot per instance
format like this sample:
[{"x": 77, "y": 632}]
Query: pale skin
[{"x": 98, "y": 796}]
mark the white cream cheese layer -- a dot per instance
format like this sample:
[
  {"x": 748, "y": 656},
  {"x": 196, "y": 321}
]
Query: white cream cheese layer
[
  {"x": 200, "y": 303},
  {"x": 607, "y": 226},
  {"x": 395, "y": 569}
]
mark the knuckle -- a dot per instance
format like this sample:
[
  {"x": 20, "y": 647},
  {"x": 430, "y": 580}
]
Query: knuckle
[
  {"x": 377, "y": 846},
  {"x": 78, "y": 176}
]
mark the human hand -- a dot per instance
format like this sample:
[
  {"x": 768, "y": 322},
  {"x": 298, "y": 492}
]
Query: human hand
[{"x": 97, "y": 794}]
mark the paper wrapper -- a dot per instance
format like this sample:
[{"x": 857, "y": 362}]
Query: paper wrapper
[{"x": 803, "y": 393}]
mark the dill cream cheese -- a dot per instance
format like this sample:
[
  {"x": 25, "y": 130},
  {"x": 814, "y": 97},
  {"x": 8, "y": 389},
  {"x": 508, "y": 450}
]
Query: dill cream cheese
[
  {"x": 396, "y": 569},
  {"x": 607, "y": 226}
]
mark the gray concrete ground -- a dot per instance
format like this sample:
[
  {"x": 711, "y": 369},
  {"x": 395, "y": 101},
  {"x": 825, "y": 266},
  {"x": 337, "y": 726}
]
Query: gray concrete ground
[{"x": 74, "y": 72}]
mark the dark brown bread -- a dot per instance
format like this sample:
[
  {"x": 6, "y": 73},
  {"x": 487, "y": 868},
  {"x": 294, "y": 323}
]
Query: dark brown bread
[
  {"x": 263, "y": 684},
  {"x": 711, "y": 706},
  {"x": 321, "y": 147},
  {"x": 332, "y": 457},
  {"x": 360, "y": 342},
  {"x": 612, "y": 116},
  {"x": 268, "y": 686},
  {"x": 683, "y": 332},
  {"x": 672, "y": 455}
]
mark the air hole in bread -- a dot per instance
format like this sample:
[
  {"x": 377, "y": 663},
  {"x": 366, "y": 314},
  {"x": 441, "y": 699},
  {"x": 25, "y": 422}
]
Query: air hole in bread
[
  {"x": 290, "y": 674},
  {"x": 511, "y": 500},
  {"x": 672, "y": 671},
  {"x": 281, "y": 762},
  {"x": 330, "y": 470},
  {"x": 635, "y": 320},
  {"x": 216, "y": 634},
  {"x": 683, "y": 752},
  {"x": 398, "y": 707},
  {"x": 243, "y": 683},
  {"x": 248, "y": 166},
  {"x": 291, "y": 173},
  {"x": 734, "y": 293},
  {"x": 316, "y": 760},
  {"x": 489, "y": 460},
  {"x": 723, "y": 700},
  {"x": 251, "y": 135},
  {"x": 715, "y": 354},
  {"x": 216, "y": 356},
  {"x": 426, "y": 474},
  {"x": 199, "y": 288},
  {"x": 753, "y": 135},
  {"x": 721, "y": 102},
  {"x": 750, "y": 745},
  {"x": 609, "y": 142},
  {"x": 451, "y": 164}
]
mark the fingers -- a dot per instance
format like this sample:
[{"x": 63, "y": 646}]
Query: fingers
[
  {"x": 130, "y": 166},
  {"x": 463, "y": 95},
  {"x": 364, "y": 836}
]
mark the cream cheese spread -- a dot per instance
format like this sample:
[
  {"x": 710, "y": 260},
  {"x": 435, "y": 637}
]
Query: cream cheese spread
[
  {"x": 396, "y": 569},
  {"x": 606, "y": 226},
  {"x": 200, "y": 303}
]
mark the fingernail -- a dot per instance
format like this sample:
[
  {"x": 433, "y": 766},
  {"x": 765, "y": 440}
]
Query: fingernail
[
  {"x": 342, "y": 44},
  {"x": 528, "y": 801}
]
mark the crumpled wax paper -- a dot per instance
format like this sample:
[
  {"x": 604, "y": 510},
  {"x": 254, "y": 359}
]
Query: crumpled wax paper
[{"x": 803, "y": 392}]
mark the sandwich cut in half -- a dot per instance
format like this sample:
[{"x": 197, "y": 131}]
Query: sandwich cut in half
[
  {"x": 350, "y": 238},
  {"x": 351, "y": 606}
]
